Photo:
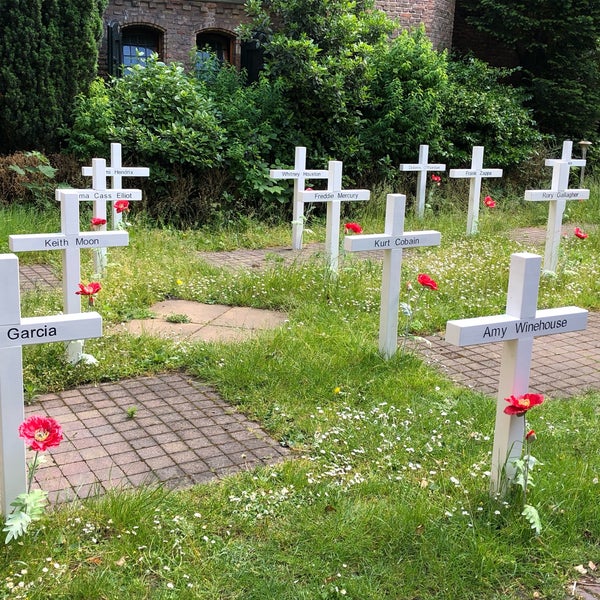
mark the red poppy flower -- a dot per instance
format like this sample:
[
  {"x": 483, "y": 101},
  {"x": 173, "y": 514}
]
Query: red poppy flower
[
  {"x": 426, "y": 281},
  {"x": 489, "y": 202},
  {"x": 89, "y": 290},
  {"x": 122, "y": 206},
  {"x": 436, "y": 179},
  {"x": 531, "y": 435},
  {"x": 580, "y": 234},
  {"x": 40, "y": 433},
  {"x": 93, "y": 287},
  {"x": 96, "y": 221},
  {"x": 308, "y": 189},
  {"x": 519, "y": 406},
  {"x": 353, "y": 227}
]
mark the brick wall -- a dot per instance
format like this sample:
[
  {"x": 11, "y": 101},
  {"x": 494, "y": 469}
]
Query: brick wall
[
  {"x": 436, "y": 15},
  {"x": 180, "y": 21}
]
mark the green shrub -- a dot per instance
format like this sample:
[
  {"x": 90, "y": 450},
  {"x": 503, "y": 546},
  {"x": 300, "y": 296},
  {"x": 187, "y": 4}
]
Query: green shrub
[
  {"x": 480, "y": 110},
  {"x": 405, "y": 106}
]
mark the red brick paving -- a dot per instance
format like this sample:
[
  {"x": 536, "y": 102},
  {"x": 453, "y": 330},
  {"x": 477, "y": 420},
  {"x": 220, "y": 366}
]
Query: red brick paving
[{"x": 182, "y": 433}]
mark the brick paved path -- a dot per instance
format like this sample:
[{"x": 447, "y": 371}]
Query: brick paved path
[{"x": 182, "y": 433}]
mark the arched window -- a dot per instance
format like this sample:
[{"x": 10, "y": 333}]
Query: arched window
[
  {"x": 213, "y": 43},
  {"x": 138, "y": 43}
]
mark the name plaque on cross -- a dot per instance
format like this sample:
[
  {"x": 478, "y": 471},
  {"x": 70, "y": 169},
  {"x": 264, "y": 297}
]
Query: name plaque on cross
[
  {"x": 517, "y": 329},
  {"x": 16, "y": 332},
  {"x": 334, "y": 195},
  {"x": 392, "y": 242},
  {"x": 422, "y": 167},
  {"x": 106, "y": 195},
  {"x": 557, "y": 197},
  {"x": 299, "y": 174},
  {"x": 475, "y": 174}
]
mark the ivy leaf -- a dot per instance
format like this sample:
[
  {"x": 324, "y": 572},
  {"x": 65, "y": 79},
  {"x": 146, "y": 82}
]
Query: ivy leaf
[{"x": 532, "y": 515}]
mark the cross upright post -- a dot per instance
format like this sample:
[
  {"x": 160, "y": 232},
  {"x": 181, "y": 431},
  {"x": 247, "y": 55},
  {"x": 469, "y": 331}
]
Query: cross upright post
[
  {"x": 475, "y": 174},
  {"x": 299, "y": 174},
  {"x": 517, "y": 328},
  {"x": 392, "y": 242},
  {"x": 557, "y": 197},
  {"x": 422, "y": 168},
  {"x": 334, "y": 196},
  {"x": 16, "y": 332}
]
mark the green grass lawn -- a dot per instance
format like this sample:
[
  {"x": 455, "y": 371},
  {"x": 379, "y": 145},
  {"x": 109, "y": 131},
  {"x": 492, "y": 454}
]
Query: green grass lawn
[{"x": 387, "y": 493}]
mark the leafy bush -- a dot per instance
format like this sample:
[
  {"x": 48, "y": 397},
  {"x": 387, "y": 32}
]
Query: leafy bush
[
  {"x": 405, "y": 106},
  {"x": 345, "y": 91},
  {"x": 479, "y": 110}
]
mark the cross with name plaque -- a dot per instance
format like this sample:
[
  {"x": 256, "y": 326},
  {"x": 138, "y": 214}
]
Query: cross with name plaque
[
  {"x": 517, "y": 329},
  {"x": 116, "y": 172},
  {"x": 392, "y": 242},
  {"x": 334, "y": 196},
  {"x": 70, "y": 241},
  {"x": 16, "y": 332},
  {"x": 299, "y": 174},
  {"x": 422, "y": 167},
  {"x": 475, "y": 174},
  {"x": 557, "y": 197},
  {"x": 100, "y": 195}
]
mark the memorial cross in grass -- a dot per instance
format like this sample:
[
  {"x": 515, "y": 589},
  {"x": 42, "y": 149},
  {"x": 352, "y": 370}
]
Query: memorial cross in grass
[
  {"x": 299, "y": 174},
  {"x": 16, "y": 332},
  {"x": 422, "y": 167},
  {"x": 99, "y": 195},
  {"x": 70, "y": 241},
  {"x": 392, "y": 242},
  {"x": 557, "y": 197},
  {"x": 475, "y": 174},
  {"x": 116, "y": 172},
  {"x": 517, "y": 329},
  {"x": 334, "y": 195}
]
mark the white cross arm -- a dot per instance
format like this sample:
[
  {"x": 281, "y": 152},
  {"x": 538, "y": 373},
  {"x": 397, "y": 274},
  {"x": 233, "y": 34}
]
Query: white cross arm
[
  {"x": 123, "y": 171},
  {"x": 482, "y": 330},
  {"x": 409, "y": 239},
  {"x": 334, "y": 196},
  {"x": 577, "y": 162},
  {"x": 109, "y": 195},
  {"x": 417, "y": 167},
  {"x": 59, "y": 328},
  {"x": 60, "y": 241},
  {"x": 549, "y": 195},
  {"x": 291, "y": 174},
  {"x": 475, "y": 173}
]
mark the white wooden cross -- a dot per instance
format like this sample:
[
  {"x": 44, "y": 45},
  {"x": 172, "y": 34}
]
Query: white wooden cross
[
  {"x": 475, "y": 173},
  {"x": 116, "y": 172},
  {"x": 557, "y": 197},
  {"x": 299, "y": 174},
  {"x": 334, "y": 196},
  {"x": 517, "y": 328},
  {"x": 70, "y": 241},
  {"x": 392, "y": 242},
  {"x": 99, "y": 196},
  {"x": 16, "y": 332},
  {"x": 422, "y": 167}
]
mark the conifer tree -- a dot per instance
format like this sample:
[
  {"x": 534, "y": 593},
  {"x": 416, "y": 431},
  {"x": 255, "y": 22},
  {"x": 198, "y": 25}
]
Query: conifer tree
[
  {"x": 557, "y": 45},
  {"x": 48, "y": 54}
]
